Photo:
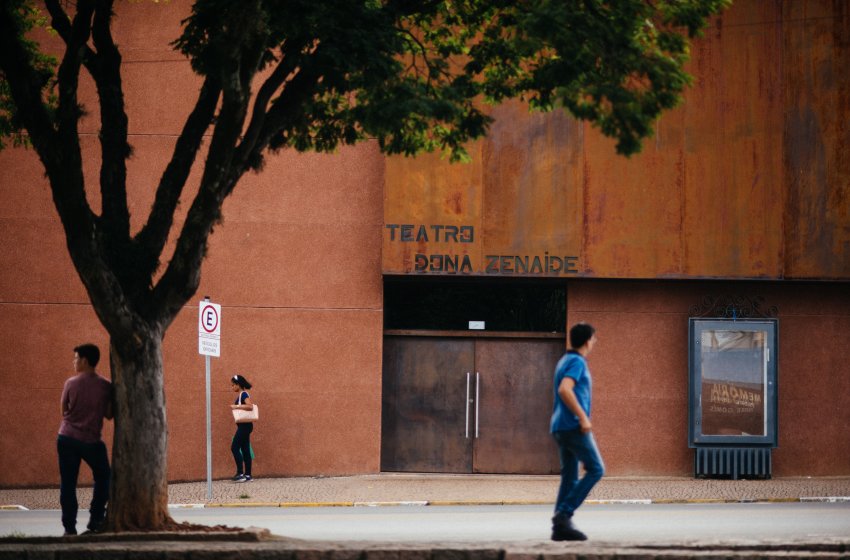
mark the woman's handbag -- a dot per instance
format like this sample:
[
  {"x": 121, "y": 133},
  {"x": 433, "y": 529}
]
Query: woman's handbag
[{"x": 241, "y": 416}]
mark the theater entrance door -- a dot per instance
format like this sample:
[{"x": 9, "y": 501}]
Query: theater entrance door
[{"x": 453, "y": 403}]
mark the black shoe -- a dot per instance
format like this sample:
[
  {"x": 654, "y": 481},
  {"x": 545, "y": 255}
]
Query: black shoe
[
  {"x": 69, "y": 533},
  {"x": 564, "y": 530},
  {"x": 238, "y": 477},
  {"x": 94, "y": 526}
]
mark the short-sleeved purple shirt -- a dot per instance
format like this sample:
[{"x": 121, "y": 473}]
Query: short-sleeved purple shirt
[{"x": 86, "y": 399}]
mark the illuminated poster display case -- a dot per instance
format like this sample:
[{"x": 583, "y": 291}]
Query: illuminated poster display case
[{"x": 733, "y": 395}]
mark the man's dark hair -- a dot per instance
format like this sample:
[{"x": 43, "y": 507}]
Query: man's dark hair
[
  {"x": 90, "y": 352},
  {"x": 580, "y": 334}
]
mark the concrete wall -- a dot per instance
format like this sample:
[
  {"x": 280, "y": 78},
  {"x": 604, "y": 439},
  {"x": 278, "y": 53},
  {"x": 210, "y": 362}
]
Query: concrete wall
[
  {"x": 640, "y": 368},
  {"x": 295, "y": 266}
]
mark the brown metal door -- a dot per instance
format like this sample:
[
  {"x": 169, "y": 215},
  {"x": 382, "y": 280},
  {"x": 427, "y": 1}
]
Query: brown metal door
[
  {"x": 436, "y": 418},
  {"x": 514, "y": 378},
  {"x": 425, "y": 402}
]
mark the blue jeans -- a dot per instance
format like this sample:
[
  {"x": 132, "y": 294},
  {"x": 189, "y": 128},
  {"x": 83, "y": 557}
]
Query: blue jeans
[
  {"x": 575, "y": 447},
  {"x": 71, "y": 452}
]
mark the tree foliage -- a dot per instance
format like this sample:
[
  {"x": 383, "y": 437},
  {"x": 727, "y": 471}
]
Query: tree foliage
[{"x": 308, "y": 75}]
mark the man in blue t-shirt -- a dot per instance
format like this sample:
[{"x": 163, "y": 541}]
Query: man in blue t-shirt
[{"x": 571, "y": 428}]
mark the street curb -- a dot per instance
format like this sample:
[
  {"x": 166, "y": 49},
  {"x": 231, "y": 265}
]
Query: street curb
[
  {"x": 242, "y": 504},
  {"x": 638, "y": 501},
  {"x": 635, "y": 501},
  {"x": 315, "y": 504},
  {"x": 489, "y": 502},
  {"x": 403, "y": 503},
  {"x": 830, "y": 499}
]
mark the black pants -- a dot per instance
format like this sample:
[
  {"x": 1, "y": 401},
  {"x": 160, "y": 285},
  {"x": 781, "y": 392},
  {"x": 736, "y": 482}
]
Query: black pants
[
  {"x": 241, "y": 447},
  {"x": 71, "y": 453}
]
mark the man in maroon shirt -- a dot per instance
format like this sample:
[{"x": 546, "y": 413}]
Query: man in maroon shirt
[{"x": 86, "y": 401}]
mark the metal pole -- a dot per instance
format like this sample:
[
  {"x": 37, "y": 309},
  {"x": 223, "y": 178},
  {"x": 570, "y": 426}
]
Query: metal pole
[
  {"x": 209, "y": 436},
  {"x": 209, "y": 428}
]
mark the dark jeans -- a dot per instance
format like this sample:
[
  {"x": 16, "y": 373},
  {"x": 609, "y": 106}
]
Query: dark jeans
[
  {"x": 575, "y": 447},
  {"x": 71, "y": 452},
  {"x": 241, "y": 447}
]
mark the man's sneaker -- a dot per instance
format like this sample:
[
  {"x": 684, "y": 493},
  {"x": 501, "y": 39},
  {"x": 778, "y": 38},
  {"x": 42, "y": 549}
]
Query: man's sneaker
[
  {"x": 564, "y": 530},
  {"x": 94, "y": 526},
  {"x": 565, "y": 534},
  {"x": 238, "y": 477},
  {"x": 69, "y": 533},
  {"x": 245, "y": 478}
]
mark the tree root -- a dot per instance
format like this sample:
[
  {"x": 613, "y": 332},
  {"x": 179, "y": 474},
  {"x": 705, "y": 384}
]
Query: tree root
[{"x": 171, "y": 526}]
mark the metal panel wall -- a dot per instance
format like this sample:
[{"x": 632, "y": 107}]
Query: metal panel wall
[{"x": 749, "y": 178}]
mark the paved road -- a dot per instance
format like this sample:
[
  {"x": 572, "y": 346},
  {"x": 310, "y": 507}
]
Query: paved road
[{"x": 650, "y": 524}]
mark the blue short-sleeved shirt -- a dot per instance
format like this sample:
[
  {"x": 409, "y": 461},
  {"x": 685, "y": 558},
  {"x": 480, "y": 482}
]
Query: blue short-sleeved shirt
[{"x": 572, "y": 365}]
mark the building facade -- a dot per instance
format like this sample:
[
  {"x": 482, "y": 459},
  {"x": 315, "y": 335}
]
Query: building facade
[{"x": 348, "y": 282}]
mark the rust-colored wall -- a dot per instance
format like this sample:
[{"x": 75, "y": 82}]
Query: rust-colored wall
[
  {"x": 640, "y": 372},
  {"x": 295, "y": 266},
  {"x": 748, "y": 178},
  {"x": 816, "y": 138}
]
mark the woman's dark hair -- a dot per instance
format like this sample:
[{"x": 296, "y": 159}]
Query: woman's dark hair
[
  {"x": 241, "y": 381},
  {"x": 90, "y": 352},
  {"x": 580, "y": 334}
]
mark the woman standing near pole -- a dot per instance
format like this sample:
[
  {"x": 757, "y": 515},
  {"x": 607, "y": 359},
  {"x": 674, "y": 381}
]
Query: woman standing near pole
[{"x": 241, "y": 446}]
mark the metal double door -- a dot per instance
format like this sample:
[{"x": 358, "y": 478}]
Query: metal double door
[{"x": 468, "y": 405}]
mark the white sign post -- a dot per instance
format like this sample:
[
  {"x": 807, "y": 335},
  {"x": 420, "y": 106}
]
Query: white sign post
[{"x": 209, "y": 344}]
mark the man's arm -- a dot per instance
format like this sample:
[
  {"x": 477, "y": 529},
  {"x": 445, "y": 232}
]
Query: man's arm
[
  {"x": 108, "y": 413},
  {"x": 565, "y": 391},
  {"x": 63, "y": 401}
]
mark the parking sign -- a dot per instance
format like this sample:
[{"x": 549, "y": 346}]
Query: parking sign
[{"x": 209, "y": 329}]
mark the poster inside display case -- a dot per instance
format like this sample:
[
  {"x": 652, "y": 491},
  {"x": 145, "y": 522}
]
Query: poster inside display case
[{"x": 732, "y": 382}]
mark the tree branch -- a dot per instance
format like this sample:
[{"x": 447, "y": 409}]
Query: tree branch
[
  {"x": 258, "y": 116},
  {"x": 104, "y": 66},
  {"x": 68, "y": 185},
  {"x": 182, "y": 276},
  {"x": 153, "y": 236},
  {"x": 286, "y": 107},
  {"x": 59, "y": 150},
  {"x": 62, "y": 25},
  {"x": 105, "y": 69},
  {"x": 26, "y": 85},
  {"x": 68, "y": 117}
]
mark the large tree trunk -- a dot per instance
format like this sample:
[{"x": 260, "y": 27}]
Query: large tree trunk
[{"x": 139, "y": 489}]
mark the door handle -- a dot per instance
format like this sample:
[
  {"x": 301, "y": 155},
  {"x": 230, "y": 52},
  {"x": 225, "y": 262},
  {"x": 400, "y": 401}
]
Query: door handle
[
  {"x": 467, "y": 405},
  {"x": 477, "y": 393}
]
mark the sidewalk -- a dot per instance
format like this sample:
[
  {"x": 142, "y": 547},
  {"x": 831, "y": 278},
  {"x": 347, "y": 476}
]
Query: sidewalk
[{"x": 441, "y": 489}]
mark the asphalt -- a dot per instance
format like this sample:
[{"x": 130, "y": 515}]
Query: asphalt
[
  {"x": 392, "y": 489},
  {"x": 443, "y": 489}
]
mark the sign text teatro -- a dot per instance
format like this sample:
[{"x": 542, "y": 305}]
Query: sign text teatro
[{"x": 459, "y": 262}]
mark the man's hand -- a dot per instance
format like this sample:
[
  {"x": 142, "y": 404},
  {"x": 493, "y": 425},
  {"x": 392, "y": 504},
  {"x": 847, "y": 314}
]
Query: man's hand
[{"x": 567, "y": 394}]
